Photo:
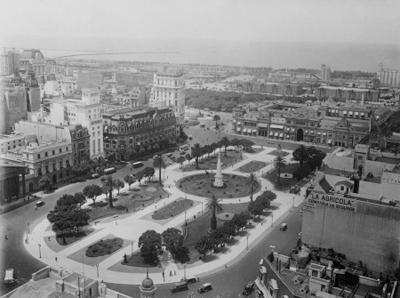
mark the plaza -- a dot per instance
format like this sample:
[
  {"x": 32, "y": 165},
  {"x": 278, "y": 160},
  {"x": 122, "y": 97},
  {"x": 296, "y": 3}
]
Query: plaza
[{"x": 109, "y": 268}]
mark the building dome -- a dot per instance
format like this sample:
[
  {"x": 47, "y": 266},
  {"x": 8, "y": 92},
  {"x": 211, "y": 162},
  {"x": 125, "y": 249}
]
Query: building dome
[{"x": 147, "y": 283}]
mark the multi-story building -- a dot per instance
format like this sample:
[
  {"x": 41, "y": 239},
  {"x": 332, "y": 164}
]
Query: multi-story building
[
  {"x": 79, "y": 79},
  {"x": 15, "y": 140},
  {"x": 347, "y": 94},
  {"x": 53, "y": 159},
  {"x": 128, "y": 128},
  {"x": 9, "y": 62},
  {"x": 273, "y": 88},
  {"x": 327, "y": 123},
  {"x": 46, "y": 132},
  {"x": 33, "y": 59},
  {"x": 325, "y": 73},
  {"x": 85, "y": 111},
  {"x": 169, "y": 91},
  {"x": 138, "y": 78}
]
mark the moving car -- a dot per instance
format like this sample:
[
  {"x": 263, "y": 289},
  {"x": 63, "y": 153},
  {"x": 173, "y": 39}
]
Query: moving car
[
  {"x": 205, "y": 288},
  {"x": 283, "y": 227},
  {"x": 39, "y": 203},
  {"x": 190, "y": 137},
  {"x": 180, "y": 286}
]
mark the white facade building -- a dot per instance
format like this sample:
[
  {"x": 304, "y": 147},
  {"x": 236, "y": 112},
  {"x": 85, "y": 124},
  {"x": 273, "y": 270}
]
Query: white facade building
[
  {"x": 86, "y": 112},
  {"x": 169, "y": 91}
]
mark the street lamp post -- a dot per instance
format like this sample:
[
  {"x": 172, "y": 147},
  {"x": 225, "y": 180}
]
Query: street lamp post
[
  {"x": 202, "y": 204},
  {"x": 293, "y": 202},
  {"x": 185, "y": 219},
  {"x": 40, "y": 253},
  {"x": 247, "y": 245},
  {"x": 272, "y": 219},
  {"x": 97, "y": 266},
  {"x": 184, "y": 271}
]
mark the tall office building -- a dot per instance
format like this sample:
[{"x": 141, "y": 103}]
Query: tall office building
[
  {"x": 325, "y": 73},
  {"x": 169, "y": 91}
]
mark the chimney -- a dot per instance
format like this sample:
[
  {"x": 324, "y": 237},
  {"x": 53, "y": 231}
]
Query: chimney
[{"x": 357, "y": 179}]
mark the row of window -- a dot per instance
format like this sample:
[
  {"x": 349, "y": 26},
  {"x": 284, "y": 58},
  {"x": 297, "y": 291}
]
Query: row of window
[{"x": 46, "y": 154}]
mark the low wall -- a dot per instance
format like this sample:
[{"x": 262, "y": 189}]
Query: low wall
[{"x": 42, "y": 273}]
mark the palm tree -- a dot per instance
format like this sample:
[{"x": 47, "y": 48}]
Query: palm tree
[
  {"x": 216, "y": 119},
  {"x": 253, "y": 182},
  {"x": 197, "y": 151},
  {"x": 108, "y": 183},
  {"x": 214, "y": 205},
  {"x": 159, "y": 163},
  {"x": 225, "y": 142},
  {"x": 279, "y": 163}
]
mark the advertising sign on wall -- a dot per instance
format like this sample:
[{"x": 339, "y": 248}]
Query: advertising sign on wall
[{"x": 331, "y": 201}]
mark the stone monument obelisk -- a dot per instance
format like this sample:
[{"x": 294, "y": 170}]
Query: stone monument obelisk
[{"x": 218, "y": 182}]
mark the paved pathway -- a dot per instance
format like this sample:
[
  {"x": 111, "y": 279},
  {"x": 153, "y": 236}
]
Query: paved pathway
[{"x": 132, "y": 226}]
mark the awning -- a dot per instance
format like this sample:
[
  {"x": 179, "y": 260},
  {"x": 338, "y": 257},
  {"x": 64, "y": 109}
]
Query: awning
[
  {"x": 262, "y": 125},
  {"x": 244, "y": 130},
  {"x": 319, "y": 132},
  {"x": 254, "y": 130},
  {"x": 306, "y": 131},
  {"x": 281, "y": 135},
  {"x": 292, "y": 129},
  {"x": 271, "y": 133},
  {"x": 344, "y": 112},
  {"x": 238, "y": 129},
  {"x": 362, "y": 114},
  {"x": 288, "y": 136},
  {"x": 276, "y": 134},
  {"x": 239, "y": 123},
  {"x": 276, "y": 126},
  {"x": 356, "y": 113},
  {"x": 324, "y": 134},
  {"x": 351, "y": 112},
  {"x": 329, "y": 141},
  {"x": 312, "y": 131}
]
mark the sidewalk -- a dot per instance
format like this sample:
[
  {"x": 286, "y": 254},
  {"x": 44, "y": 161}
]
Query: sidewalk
[{"x": 131, "y": 227}]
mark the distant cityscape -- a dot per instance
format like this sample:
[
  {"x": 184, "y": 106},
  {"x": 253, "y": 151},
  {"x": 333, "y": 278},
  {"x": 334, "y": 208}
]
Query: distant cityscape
[{"x": 333, "y": 136}]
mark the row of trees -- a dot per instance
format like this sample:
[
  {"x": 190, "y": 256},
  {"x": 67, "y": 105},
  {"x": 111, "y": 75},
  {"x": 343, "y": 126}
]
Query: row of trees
[
  {"x": 67, "y": 215},
  {"x": 151, "y": 243}
]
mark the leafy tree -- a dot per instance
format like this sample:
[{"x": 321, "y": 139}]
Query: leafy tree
[
  {"x": 107, "y": 183},
  {"x": 229, "y": 228},
  {"x": 148, "y": 172},
  {"x": 264, "y": 201},
  {"x": 214, "y": 205},
  {"x": 196, "y": 153},
  {"x": 79, "y": 198},
  {"x": 142, "y": 150},
  {"x": 239, "y": 221},
  {"x": 150, "y": 246},
  {"x": 207, "y": 150},
  {"x": 235, "y": 142},
  {"x": 301, "y": 172},
  {"x": 130, "y": 153},
  {"x": 45, "y": 182},
  {"x": 253, "y": 183},
  {"x": 181, "y": 160},
  {"x": 214, "y": 146},
  {"x": 111, "y": 158},
  {"x": 65, "y": 201},
  {"x": 279, "y": 163},
  {"x": 217, "y": 119},
  {"x": 92, "y": 192},
  {"x": 173, "y": 240},
  {"x": 247, "y": 144},
  {"x": 129, "y": 180},
  {"x": 118, "y": 184},
  {"x": 188, "y": 157},
  {"x": 256, "y": 208},
  {"x": 159, "y": 163},
  {"x": 225, "y": 142},
  {"x": 139, "y": 176},
  {"x": 218, "y": 237},
  {"x": 269, "y": 194},
  {"x": 81, "y": 169},
  {"x": 301, "y": 154},
  {"x": 204, "y": 245}
]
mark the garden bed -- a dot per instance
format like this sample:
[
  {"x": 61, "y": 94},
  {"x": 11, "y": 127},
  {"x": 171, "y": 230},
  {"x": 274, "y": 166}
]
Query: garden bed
[
  {"x": 104, "y": 247},
  {"x": 173, "y": 209},
  {"x": 285, "y": 183},
  {"x": 253, "y": 166}
]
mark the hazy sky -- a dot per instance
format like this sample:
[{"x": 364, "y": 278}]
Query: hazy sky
[{"x": 265, "y": 20}]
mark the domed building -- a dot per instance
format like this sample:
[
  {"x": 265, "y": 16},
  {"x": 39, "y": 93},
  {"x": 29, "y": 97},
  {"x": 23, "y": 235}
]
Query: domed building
[{"x": 147, "y": 288}]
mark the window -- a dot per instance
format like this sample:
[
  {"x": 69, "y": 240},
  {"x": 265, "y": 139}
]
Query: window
[
  {"x": 342, "y": 187},
  {"x": 66, "y": 148},
  {"x": 61, "y": 164},
  {"x": 54, "y": 152},
  {"x": 54, "y": 167},
  {"x": 60, "y": 150},
  {"x": 45, "y": 154}
]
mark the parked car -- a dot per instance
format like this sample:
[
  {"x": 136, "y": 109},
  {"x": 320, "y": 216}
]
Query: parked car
[
  {"x": 191, "y": 279},
  {"x": 180, "y": 286},
  {"x": 95, "y": 175},
  {"x": 205, "y": 288},
  {"x": 78, "y": 179},
  {"x": 9, "y": 276}
]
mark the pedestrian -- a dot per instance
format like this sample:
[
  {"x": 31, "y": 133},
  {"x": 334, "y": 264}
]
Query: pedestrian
[{"x": 56, "y": 259}]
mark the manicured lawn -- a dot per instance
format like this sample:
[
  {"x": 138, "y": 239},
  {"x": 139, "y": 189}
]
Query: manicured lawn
[
  {"x": 132, "y": 201},
  {"x": 104, "y": 247},
  {"x": 173, "y": 209},
  {"x": 253, "y": 166},
  {"x": 275, "y": 153},
  {"x": 211, "y": 163},
  {"x": 199, "y": 227},
  {"x": 253, "y": 150},
  {"x": 285, "y": 183},
  {"x": 72, "y": 237},
  {"x": 136, "y": 260}
]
